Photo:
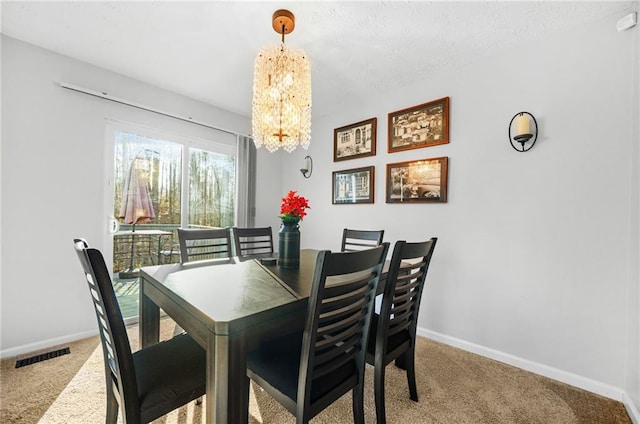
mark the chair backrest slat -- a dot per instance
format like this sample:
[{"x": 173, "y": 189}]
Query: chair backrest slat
[
  {"x": 204, "y": 243},
  {"x": 252, "y": 241},
  {"x": 336, "y": 362},
  {"x": 338, "y": 331},
  {"x": 354, "y": 240},
  {"x": 402, "y": 297}
]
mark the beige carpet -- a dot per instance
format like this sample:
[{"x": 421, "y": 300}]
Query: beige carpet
[{"x": 454, "y": 387}]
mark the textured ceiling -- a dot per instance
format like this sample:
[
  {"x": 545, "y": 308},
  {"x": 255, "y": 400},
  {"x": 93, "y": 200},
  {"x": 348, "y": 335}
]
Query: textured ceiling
[{"x": 205, "y": 50}]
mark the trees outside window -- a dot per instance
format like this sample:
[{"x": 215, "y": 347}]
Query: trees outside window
[{"x": 189, "y": 185}]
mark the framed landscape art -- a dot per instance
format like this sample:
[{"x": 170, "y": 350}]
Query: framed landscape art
[
  {"x": 355, "y": 140},
  {"x": 418, "y": 181},
  {"x": 353, "y": 185},
  {"x": 419, "y": 126}
]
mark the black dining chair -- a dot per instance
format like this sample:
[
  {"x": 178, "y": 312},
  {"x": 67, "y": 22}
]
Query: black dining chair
[
  {"x": 253, "y": 241},
  {"x": 307, "y": 371},
  {"x": 198, "y": 244},
  {"x": 353, "y": 240},
  {"x": 148, "y": 383},
  {"x": 393, "y": 331}
]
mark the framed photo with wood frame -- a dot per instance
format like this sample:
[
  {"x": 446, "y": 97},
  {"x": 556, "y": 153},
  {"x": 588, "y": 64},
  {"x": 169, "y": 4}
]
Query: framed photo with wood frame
[
  {"x": 418, "y": 181},
  {"x": 419, "y": 126},
  {"x": 355, "y": 141},
  {"x": 353, "y": 185}
]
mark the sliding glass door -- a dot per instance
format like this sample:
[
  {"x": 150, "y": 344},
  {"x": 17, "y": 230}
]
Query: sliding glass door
[{"x": 162, "y": 182}]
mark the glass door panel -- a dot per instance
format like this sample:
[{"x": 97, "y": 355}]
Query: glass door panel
[
  {"x": 147, "y": 190},
  {"x": 212, "y": 189}
]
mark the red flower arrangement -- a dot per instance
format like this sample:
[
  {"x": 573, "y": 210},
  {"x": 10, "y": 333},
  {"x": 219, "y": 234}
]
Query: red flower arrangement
[{"x": 293, "y": 207}]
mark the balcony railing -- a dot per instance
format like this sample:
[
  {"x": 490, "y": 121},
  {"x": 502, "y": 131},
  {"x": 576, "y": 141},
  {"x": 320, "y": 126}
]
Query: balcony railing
[{"x": 149, "y": 249}]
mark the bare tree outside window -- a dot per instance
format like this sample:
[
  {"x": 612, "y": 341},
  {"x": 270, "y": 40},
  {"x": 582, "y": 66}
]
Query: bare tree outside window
[
  {"x": 211, "y": 189},
  {"x": 211, "y": 178}
]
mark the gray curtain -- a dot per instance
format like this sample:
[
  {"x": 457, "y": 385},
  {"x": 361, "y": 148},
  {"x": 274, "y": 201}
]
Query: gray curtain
[{"x": 246, "y": 182}]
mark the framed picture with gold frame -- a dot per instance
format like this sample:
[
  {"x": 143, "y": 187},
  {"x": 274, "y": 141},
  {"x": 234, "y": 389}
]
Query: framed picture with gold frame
[
  {"x": 353, "y": 185},
  {"x": 355, "y": 140},
  {"x": 419, "y": 126},
  {"x": 418, "y": 181}
]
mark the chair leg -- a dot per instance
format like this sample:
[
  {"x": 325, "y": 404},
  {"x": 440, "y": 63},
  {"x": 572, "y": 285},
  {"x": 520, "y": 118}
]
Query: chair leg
[
  {"x": 112, "y": 408},
  {"x": 401, "y": 361},
  {"x": 358, "y": 404},
  {"x": 246, "y": 382},
  {"x": 411, "y": 373},
  {"x": 378, "y": 380},
  {"x": 300, "y": 419}
]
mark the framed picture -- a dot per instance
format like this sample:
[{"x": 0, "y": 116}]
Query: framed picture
[
  {"x": 355, "y": 141},
  {"x": 353, "y": 185},
  {"x": 418, "y": 181},
  {"x": 419, "y": 126}
]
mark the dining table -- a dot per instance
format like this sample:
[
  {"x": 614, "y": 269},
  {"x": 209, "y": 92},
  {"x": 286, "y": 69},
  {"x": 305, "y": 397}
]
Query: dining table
[{"x": 228, "y": 306}]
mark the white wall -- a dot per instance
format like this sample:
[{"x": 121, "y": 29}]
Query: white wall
[
  {"x": 269, "y": 189},
  {"x": 53, "y": 183},
  {"x": 533, "y": 255},
  {"x": 632, "y": 373}
]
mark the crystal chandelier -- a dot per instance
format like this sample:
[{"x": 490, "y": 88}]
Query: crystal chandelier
[{"x": 281, "y": 115}]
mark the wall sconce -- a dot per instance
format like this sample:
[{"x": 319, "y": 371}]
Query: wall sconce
[
  {"x": 307, "y": 167},
  {"x": 523, "y": 129}
]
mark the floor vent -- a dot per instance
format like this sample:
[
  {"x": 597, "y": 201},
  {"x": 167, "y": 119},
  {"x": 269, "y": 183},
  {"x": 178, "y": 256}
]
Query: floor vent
[{"x": 42, "y": 357}]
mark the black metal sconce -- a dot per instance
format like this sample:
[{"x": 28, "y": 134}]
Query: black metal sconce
[
  {"x": 307, "y": 167},
  {"x": 523, "y": 129}
]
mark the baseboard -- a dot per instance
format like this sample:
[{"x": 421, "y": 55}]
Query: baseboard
[
  {"x": 33, "y": 347},
  {"x": 575, "y": 380},
  {"x": 633, "y": 412},
  {"x": 19, "y": 350}
]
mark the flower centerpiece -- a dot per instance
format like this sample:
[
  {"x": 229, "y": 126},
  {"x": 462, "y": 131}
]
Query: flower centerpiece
[
  {"x": 293, "y": 208},
  {"x": 292, "y": 211}
]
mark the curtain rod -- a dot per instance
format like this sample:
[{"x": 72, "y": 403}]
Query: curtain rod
[{"x": 106, "y": 96}]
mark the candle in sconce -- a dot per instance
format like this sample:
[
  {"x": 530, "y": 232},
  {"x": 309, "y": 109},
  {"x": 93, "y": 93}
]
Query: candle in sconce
[
  {"x": 523, "y": 129},
  {"x": 523, "y": 124}
]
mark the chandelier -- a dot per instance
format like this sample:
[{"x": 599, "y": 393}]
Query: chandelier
[{"x": 281, "y": 115}]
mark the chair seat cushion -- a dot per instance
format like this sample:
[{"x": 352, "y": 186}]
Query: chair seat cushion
[
  {"x": 278, "y": 363},
  {"x": 169, "y": 374},
  {"x": 394, "y": 341}
]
